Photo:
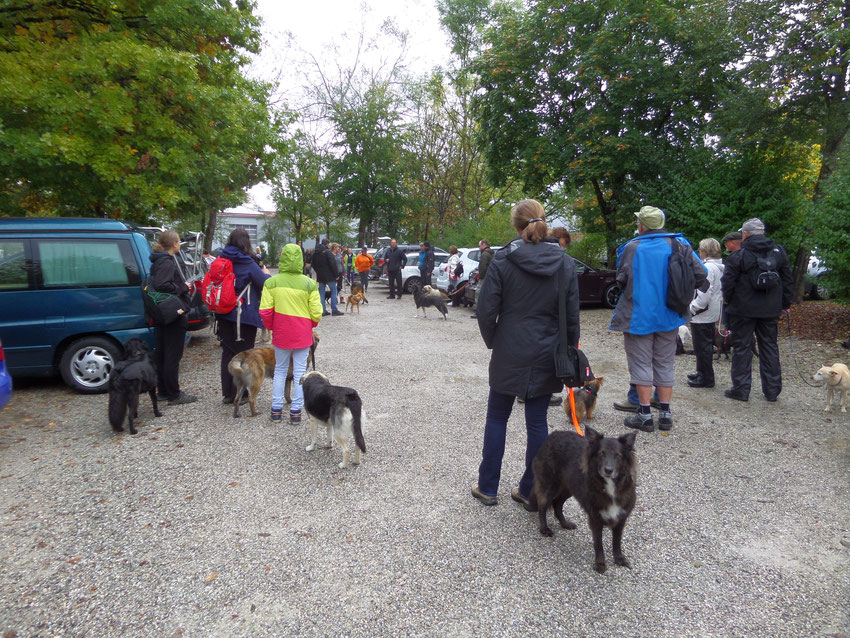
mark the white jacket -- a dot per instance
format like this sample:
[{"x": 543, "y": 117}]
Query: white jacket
[{"x": 706, "y": 306}]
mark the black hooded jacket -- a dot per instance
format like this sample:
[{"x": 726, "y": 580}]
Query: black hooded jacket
[
  {"x": 165, "y": 276},
  {"x": 324, "y": 263},
  {"x": 746, "y": 301},
  {"x": 518, "y": 316}
]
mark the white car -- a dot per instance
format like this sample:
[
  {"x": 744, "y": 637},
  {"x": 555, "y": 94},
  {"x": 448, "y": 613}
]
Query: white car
[
  {"x": 469, "y": 257},
  {"x": 410, "y": 273}
]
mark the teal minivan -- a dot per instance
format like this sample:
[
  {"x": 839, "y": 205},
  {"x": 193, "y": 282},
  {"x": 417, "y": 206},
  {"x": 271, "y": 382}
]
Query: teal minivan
[{"x": 70, "y": 296}]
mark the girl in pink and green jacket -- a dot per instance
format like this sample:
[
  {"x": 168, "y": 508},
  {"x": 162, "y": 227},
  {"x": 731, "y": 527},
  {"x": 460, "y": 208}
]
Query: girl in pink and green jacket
[{"x": 290, "y": 307}]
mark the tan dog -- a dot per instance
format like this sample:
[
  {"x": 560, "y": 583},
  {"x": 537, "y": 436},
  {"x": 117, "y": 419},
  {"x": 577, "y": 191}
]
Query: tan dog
[
  {"x": 434, "y": 292},
  {"x": 837, "y": 377},
  {"x": 585, "y": 400},
  {"x": 290, "y": 376},
  {"x": 248, "y": 370},
  {"x": 355, "y": 300}
]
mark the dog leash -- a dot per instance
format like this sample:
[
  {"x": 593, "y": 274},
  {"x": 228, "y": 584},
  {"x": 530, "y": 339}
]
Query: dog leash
[
  {"x": 573, "y": 411},
  {"x": 794, "y": 357}
]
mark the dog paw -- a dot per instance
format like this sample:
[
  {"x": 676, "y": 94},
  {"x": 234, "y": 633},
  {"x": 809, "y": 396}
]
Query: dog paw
[
  {"x": 545, "y": 531},
  {"x": 568, "y": 524},
  {"x": 600, "y": 567},
  {"x": 622, "y": 561},
  {"x": 343, "y": 465},
  {"x": 844, "y": 410},
  {"x": 311, "y": 447},
  {"x": 157, "y": 414},
  {"x": 133, "y": 431},
  {"x": 827, "y": 410}
]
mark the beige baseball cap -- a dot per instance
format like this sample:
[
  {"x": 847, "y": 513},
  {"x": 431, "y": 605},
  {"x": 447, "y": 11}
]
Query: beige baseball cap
[{"x": 651, "y": 217}]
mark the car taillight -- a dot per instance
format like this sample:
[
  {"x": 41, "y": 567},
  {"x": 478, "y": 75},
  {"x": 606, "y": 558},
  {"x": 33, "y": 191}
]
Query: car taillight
[
  {"x": 2, "y": 355},
  {"x": 380, "y": 262}
]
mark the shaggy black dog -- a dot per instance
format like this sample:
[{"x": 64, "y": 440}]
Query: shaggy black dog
[
  {"x": 130, "y": 377},
  {"x": 424, "y": 300},
  {"x": 600, "y": 472}
]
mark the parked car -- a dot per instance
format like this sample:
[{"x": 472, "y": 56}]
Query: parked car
[
  {"x": 469, "y": 257},
  {"x": 595, "y": 285},
  {"x": 5, "y": 380},
  {"x": 814, "y": 287},
  {"x": 71, "y": 296},
  {"x": 410, "y": 274},
  {"x": 379, "y": 269}
]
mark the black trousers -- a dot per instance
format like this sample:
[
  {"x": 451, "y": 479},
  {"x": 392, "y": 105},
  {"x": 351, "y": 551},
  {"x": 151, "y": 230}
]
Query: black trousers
[
  {"x": 170, "y": 340},
  {"x": 395, "y": 282},
  {"x": 703, "y": 336},
  {"x": 766, "y": 331},
  {"x": 230, "y": 348},
  {"x": 364, "y": 280}
]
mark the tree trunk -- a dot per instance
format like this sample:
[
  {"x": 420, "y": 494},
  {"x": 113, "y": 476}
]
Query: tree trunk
[
  {"x": 210, "y": 230},
  {"x": 801, "y": 262}
]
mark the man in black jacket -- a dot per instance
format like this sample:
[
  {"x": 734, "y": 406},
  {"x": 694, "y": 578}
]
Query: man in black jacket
[
  {"x": 757, "y": 286},
  {"x": 428, "y": 266},
  {"x": 396, "y": 260},
  {"x": 485, "y": 257},
  {"x": 324, "y": 263}
]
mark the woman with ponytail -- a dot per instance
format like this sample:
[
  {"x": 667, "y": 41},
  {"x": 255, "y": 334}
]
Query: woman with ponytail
[
  {"x": 170, "y": 338},
  {"x": 518, "y": 319}
]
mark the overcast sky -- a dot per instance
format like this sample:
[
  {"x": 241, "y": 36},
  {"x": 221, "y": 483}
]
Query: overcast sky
[{"x": 327, "y": 30}]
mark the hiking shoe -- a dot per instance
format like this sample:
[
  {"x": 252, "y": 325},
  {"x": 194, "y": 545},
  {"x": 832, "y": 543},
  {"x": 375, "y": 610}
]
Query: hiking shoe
[
  {"x": 519, "y": 498},
  {"x": 640, "y": 422},
  {"x": 481, "y": 496},
  {"x": 665, "y": 420},
  {"x": 771, "y": 399},
  {"x": 337, "y": 313},
  {"x": 326, "y": 314},
  {"x": 693, "y": 376},
  {"x": 625, "y": 406},
  {"x": 473, "y": 316},
  {"x": 277, "y": 415},
  {"x": 295, "y": 417},
  {"x": 556, "y": 399},
  {"x": 390, "y": 296},
  {"x": 732, "y": 395},
  {"x": 183, "y": 399}
]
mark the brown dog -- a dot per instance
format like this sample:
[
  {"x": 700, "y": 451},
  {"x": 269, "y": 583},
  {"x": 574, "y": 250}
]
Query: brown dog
[
  {"x": 290, "y": 376},
  {"x": 355, "y": 300},
  {"x": 248, "y": 370},
  {"x": 585, "y": 400}
]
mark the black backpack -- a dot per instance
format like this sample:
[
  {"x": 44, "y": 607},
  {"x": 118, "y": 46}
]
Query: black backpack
[
  {"x": 765, "y": 276},
  {"x": 458, "y": 269},
  {"x": 681, "y": 281}
]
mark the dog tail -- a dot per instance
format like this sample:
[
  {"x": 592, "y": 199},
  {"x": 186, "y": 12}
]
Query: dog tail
[
  {"x": 235, "y": 365},
  {"x": 352, "y": 400},
  {"x": 441, "y": 306},
  {"x": 117, "y": 406}
]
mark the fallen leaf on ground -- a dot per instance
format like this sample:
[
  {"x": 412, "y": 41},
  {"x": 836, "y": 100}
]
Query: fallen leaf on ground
[{"x": 211, "y": 577}]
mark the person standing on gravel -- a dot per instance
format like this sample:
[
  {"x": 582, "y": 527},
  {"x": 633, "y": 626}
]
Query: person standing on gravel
[
  {"x": 705, "y": 313},
  {"x": 324, "y": 264},
  {"x": 396, "y": 260},
  {"x": 484, "y": 259},
  {"x": 290, "y": 308},
  {"x": 364, "y": 263},
  {"x": 518, "y": 320},
  {"x": 757, "y": 285},
  {"x": 649, "y": 327}
]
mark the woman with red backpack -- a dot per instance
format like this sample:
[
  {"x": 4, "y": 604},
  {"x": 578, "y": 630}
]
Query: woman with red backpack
[{"x": 237, "y": 327}]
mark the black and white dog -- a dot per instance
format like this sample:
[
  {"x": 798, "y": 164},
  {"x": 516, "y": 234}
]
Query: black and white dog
[
  {"x": 339, "y": 409},
  {"x": 424, "y": 300},
  {"x": 129, "y": 378}
]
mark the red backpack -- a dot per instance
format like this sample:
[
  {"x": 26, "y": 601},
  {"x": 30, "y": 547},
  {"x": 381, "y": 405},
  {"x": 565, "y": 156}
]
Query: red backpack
[{"x": 219, "y": 287}]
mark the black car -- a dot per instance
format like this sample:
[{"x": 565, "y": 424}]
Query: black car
[{"x": 595, "y": 285}]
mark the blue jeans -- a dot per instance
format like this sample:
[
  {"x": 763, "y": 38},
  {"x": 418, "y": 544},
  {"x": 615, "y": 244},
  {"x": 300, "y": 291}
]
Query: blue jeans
[
  {"x": 633, "y": 395},
  {"x": 281, "y": 367},
  {"x": 499, "y": 408},
  {"x": 332, "y": 286}
]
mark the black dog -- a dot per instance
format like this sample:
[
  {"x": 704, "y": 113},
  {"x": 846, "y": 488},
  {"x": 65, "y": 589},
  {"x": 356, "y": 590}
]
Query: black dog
[
  {"x": 130, "y": 377},
  {"x": 428, "y": 301},
  {"x": 600, "y": 472}
]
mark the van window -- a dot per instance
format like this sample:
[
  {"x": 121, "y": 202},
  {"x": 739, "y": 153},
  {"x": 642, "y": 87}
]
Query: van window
[
  {"x": 13, "y": 273},
  {"x": 83, "y": 263}
]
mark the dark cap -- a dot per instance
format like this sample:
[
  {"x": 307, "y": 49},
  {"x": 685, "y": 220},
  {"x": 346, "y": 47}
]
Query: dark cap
[{"x": 733, "y": 236}]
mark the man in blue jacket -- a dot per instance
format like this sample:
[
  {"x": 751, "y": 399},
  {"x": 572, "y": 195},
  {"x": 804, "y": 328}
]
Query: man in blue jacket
[{"x": 649, "y": 327}]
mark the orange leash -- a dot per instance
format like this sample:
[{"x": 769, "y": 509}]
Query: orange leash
[{"x": 573, "y": 411}]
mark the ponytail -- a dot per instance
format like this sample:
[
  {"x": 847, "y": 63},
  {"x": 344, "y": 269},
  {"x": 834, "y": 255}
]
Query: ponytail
[{"x": 529, "y": 220}]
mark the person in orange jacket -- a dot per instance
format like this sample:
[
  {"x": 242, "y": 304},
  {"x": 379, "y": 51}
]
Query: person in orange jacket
[{"x": 363, "y": 263}]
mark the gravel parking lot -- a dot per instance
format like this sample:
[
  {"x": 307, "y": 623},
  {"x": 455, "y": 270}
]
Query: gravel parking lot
[{"x": 205, "y": 525}]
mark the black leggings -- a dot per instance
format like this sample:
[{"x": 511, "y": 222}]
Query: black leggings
[
  {"x": 230, "y": 348},
  {"x": 170, "y": 340}
]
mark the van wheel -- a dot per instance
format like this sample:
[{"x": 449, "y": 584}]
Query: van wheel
[
  {"x": 87, "y": 363},
  {"x": 411, "y": 281},
  {"x": 611, "y": 296}
]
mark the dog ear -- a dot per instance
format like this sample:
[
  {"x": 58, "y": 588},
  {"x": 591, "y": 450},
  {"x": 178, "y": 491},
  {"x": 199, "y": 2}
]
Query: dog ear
[
  {"x": 833, "y": 373},
  {"x": 593, "y": 437},
  {"x": 628, "y": 440}
]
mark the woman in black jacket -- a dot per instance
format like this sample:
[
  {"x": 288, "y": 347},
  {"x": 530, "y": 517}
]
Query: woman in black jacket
[
  {"x": 518, "y": 319},
  {"x": 170, "y": 338}
]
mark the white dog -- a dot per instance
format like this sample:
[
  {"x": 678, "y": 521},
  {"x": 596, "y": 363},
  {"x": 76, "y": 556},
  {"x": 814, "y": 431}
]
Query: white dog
[{"x": 837, "y": 379}]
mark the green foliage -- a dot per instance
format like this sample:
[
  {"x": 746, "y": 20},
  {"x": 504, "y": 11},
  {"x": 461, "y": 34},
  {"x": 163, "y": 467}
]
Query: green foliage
[
  {"x": 831, "y": 234},
  {"x": 494, "y": 226},
  {"x": 128, "y": 109},
  {"x": 591, "y": 249},
  {"x": 298, "y": 188}
]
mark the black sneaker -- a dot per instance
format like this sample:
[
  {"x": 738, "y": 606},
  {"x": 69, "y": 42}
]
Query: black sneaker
[
  {"x": 556, "y": 399},
  {"x": 732, "y": 395},
  {"x": 337, "y": 313},
  {"x": 640, "y": 422},
  {"x": 693, "y": 376},
  {"x": 390, "y": 296},
  {"x": 326, "y": 314},
  {"x": 183, "y": 399},
  {"x": 665, "y": 420}
]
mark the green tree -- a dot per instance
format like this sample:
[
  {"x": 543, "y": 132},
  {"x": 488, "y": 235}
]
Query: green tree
[
  {"x": 298, "y": 187},
  {"x": 133, "y": 109}
]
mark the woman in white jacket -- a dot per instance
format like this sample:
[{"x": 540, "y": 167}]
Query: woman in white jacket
[{"x": 705, "y": 312}]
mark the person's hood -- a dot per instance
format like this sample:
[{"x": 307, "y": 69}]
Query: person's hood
[
  {"x": 235, "y": 255},
  {"x": 758, "y": 244},
  {"x": 544, "y": 258},
  {"x": 291, "y": 259},
  {"x": 159, "y": 254},
  {"x": 321, "y": 248}
]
